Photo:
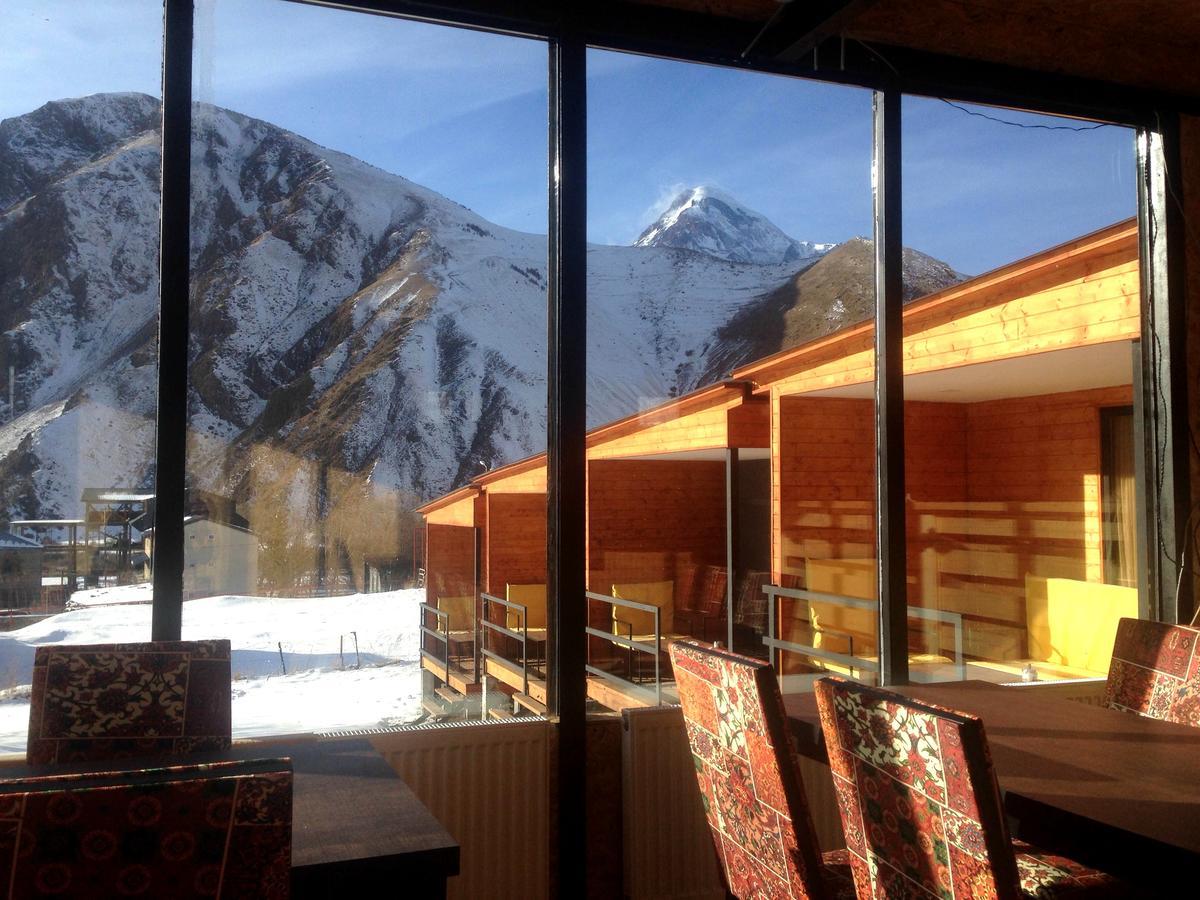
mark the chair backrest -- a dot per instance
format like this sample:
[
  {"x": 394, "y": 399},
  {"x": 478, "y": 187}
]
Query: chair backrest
[
  {"x": 917, "y": 794},
  {"x": 533, "y": 598},
  {"x": 1072, "y": 623},
  {"x": 689, "y": 583},
  {"x": 751, "y": 608},
  {"x": 460, "y": 609},
  {"x": 106, "y": 701},
  {"x": 711, "y": 597},
  {"x": 1155, "y": 671},
  {"x": 747, "y": 770},
  {"x": 655, "y": 593},
  {"x": 212, "y": 830}
]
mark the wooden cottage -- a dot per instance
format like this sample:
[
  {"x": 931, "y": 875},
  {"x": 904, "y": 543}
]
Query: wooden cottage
[
  {"x": 1019, "y": 469},
  {"x": 744, "y": 512}
]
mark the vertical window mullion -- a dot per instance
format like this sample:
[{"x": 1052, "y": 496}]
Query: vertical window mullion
[
  {"x": 1163, "y": 375},
  {"x": 566, "y": 442},
  {"x": 170, "y": 456},
  {"x": 889, "y": 390}
]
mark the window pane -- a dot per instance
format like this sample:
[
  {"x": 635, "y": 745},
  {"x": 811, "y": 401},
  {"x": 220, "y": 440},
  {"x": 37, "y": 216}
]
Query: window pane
[
  {"x": 79, "y": 172},
  {"x": 730, "y": 366},
  {"x": 368, "y": 321},
  {"x": 1118, "y": 495},
  {"x": 1019, "y": 472}
]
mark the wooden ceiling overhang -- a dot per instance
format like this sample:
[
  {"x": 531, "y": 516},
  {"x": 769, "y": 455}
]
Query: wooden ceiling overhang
[{"x": 1127, "y": 61}]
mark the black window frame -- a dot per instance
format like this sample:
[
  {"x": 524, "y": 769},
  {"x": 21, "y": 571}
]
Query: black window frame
[{"x": 677, "y": 34}]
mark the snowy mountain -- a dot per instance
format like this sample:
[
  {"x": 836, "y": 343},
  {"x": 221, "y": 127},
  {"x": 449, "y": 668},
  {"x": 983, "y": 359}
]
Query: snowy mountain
[
  {"x": 346, "y": 322},
  {"x": 710, "y": 221}
]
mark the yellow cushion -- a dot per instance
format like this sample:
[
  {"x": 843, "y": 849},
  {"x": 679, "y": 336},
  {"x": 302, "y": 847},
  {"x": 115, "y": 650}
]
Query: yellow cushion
[
  {"x": 533, "y": 598},
  {"x": 655, "y": 593},
  {"x": 461, "y": 610},
  {"x": 1074, "y": 623}
]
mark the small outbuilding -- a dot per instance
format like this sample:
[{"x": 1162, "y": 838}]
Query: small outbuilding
[{"x": 20, "y": 571}]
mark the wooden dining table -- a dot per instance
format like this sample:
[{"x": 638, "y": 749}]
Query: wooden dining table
[{"x": 1114, "y": 790}]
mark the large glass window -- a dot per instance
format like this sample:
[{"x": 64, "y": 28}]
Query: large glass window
[
  {"x": 79, "y": 172},
  {"x": 1019, "y": 459},
  {"x": 368, "y": 321},
  {"x": 730, "y": 359}
]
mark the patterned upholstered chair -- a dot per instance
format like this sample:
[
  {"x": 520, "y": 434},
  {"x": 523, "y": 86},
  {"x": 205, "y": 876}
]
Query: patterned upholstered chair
[
  {"x": 749, "y": 781},
  {"x": 704, "y": 615},
  {"x": 216, "y": 830},
  {"x": 105, "y": 701},
  {"x": 1155, "y": 671},
  {"x": 921, "y": 807}
]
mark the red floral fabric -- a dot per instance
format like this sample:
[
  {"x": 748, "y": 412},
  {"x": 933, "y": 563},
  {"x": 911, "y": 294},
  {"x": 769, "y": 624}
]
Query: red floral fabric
[
  {"x": 1155, "y": 671},
  {"x": 746, "y": 770},
  {"x": 703, "y": 595},
  {"x": 921, "y": 807},
  {"x": 105, "y": 701},
  {"x": 221, "y": 830}
]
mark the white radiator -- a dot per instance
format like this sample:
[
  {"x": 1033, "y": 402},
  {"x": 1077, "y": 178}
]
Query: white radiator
[
  {"x": 668, "y": 848},
  {"x": 487, "y": 783}
]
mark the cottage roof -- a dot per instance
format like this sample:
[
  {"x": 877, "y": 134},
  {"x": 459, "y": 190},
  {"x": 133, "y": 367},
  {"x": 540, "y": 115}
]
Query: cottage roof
[
  {"x": 114, "y": 495},
  {"x": 10, "y": 541}
]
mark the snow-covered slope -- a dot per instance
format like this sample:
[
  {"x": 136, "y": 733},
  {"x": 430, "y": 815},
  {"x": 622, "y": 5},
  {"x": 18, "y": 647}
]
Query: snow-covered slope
[{"x": 708, "y": 220}]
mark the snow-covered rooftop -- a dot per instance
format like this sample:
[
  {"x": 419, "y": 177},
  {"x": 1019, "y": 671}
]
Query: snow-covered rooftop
[{"x": 10, "y": 541}]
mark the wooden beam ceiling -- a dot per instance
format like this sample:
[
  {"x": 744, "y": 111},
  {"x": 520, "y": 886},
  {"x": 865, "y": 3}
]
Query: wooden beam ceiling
[{"x": 1142, "y": 43}]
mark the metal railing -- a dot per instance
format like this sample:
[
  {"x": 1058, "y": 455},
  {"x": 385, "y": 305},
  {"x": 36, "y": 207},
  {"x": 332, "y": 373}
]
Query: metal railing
[
  {"x": 521, "y": 636},
  {"x": 849, "y": 660},
  {"x": 440, "y": 634},
  {"x": 630, "y": 644}
]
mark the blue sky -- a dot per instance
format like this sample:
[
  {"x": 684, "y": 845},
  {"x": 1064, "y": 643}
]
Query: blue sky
[{"x": 465, "y": 114}]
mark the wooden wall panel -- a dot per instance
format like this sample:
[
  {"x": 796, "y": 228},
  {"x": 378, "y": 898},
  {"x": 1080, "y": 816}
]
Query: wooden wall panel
[
  {"x": 700, "y": 430},
  {"x": 516, "y": 545},
  {"x": 532, "y": 481},
  {"x": 825, "y": 480},
  {"x": 750, "y": 423},
  {"x": 995, "y": 490},
  {"x": 1092, "y": 297},
  {"x": 1033, "y": 475},
  {"x": 449, "y": 561},
  {"x": 648, "y": 516},
  {"x": 461, "y": 512}
]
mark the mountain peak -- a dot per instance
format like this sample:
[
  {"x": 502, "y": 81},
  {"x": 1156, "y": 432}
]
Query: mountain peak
[
  {"x": 59, "y": 135},
  {"x": 709, "y": 220}
]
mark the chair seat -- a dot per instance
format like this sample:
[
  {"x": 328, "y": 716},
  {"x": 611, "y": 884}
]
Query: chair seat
[
  {"x": 1047, "y": 875},
  {"x": 837, "y": 875},
  {"x": 460, "y": 639}
]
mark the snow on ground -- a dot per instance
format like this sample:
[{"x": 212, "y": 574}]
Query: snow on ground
[
  {"x": 110, "y": 596},
  {"x": 315, "y": 637}
]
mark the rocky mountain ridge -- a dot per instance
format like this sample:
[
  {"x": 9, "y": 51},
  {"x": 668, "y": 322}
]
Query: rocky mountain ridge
[{"x": 346, "y": 322}]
